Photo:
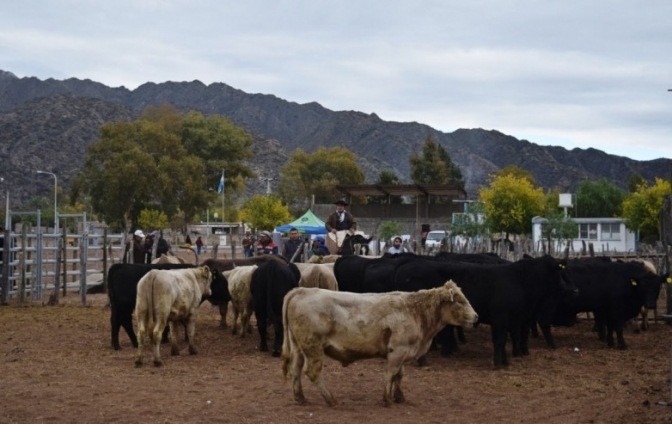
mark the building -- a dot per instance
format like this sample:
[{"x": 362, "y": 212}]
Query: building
[{"x": 606, "y": 235}]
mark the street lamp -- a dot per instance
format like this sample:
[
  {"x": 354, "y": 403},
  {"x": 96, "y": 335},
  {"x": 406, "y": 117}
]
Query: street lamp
[{"x": 55, "y": 205}]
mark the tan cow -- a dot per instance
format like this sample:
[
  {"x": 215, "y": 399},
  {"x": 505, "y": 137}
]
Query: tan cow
[
  {"x": 317, "y": 259},
  {"x": 164, "y": 259},
  {"x": 166, "y": 297},
  {"x": 240, "y": 280},
  {"x": 318, "y": 275},
  {"x": 397, "y": 326}
]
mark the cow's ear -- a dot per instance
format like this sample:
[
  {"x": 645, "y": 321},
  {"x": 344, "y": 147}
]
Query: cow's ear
[
  {"x": 633, "y": 282},
  {"x": 451, "y": 293}
]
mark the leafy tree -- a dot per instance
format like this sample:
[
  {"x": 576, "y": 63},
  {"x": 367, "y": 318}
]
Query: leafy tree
[
  {"x": 558, "y": 226},
  {"x": 470, "y": 224},
  {"x": 317, "y": 174},
  {"x": 388, "y": 229},
  {"x": 265, "y": 212},
  {"x": 641, "y": 209},
  {"x": 151, "y": 219},
  {"x": 152, "y": 163},
  {"x": 386, "y": 177},
  {"x": 598, "y": 199},
  {"x": 434, "y": 166},
  {"x": 516, "y": 172},
  {"x": 634, "y": 182},
  {"x": 510, "y": 204}
]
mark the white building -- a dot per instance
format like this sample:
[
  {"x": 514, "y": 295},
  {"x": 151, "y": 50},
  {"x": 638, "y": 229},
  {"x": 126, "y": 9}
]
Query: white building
[{"x": 606, "y": 235}]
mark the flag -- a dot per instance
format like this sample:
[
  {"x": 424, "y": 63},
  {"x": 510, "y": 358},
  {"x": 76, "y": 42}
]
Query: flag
[{"x": 221, "y": 184}]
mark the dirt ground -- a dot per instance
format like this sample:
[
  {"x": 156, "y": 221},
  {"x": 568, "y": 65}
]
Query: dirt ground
[{"x": 57, "y": 365}]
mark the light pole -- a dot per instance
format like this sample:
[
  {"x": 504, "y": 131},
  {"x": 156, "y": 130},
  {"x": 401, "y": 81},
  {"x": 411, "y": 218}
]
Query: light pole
[
  {"x": 55, "y": 192},
  {"x": 7, "y": 221}
]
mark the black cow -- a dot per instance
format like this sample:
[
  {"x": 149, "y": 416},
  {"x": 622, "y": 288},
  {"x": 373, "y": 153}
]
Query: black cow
[
  {"x": 474, "y": 258},
  {"x": 271, "y": 281},
  {"x": 123, "y": 287},
  {"x": 614, "y": 292},
  {"x": 506, "y": 296}
]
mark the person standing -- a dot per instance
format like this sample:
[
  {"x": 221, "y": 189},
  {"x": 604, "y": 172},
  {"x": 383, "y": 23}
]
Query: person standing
[
  {"x": 248, "y": 244},
  {"x": 292, "y": 245},
  {"x": 340, "y": 219},
  {"x": 318, "y": 248},
  {"x": 162, "y": 246},
  {"x": 138, "y": 248},
  {"x": 187, "y": 241},
  {"x": 396, "y": 248},
  {"x": 149, "y": 245},
  {"x": 265, "y": 245},
  {"x": 199, "y": 245}
]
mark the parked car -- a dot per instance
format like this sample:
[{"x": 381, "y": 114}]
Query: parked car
[{"x": 434, "y": 238}]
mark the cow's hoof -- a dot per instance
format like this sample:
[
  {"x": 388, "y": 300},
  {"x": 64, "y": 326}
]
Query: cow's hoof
[
  {"x": 276, "y": 354},
  {"x": 138, "y": 364},
  {"x": 263, "y": 347},
  {"x": 174, "y": 351},
  {"x": 118, "y": 347},
  {"x": 158, "y": 363},
  {"x": 193, "y": 350},
  {"x": 300, "y": 400}
]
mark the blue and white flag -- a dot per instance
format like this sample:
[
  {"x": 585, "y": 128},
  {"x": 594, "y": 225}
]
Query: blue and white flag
[{"x": 221, "y": 184}]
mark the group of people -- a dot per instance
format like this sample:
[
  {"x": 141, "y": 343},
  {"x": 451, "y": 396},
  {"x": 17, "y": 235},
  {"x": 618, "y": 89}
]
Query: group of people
[{"x": 142, "y": 246}]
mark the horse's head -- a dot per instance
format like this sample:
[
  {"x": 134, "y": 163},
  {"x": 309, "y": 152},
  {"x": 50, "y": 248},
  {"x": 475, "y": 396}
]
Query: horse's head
[{"x": 354, "y": 244}]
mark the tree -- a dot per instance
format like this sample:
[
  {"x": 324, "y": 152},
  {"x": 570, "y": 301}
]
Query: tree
[
  {"x": 634, "y": 182},
  {"x": 510, "y": 204},
  {"x": 317, "y": 174},
  {"x": 470, "y": 224},
  {"x": 152, "y": 219},
  {"x": 386, "y": 177},
  {"x": 265, "y": 212},
  {"x": 434, "y": 166},
  {"x": 641, "y": 209},
  {"x": 388, "y": 229},
  {"x": 516, "y": 172},
  {"x": 153, "y": 163},
  {"x": 558, "y": 226},
  {"x": 598, "y": 199}
]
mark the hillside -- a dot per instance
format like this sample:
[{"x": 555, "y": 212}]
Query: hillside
[{"x": 49, "y": 123}]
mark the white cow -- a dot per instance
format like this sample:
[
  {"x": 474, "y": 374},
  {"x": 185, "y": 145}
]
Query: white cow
[
  {"x": 318, "y": 275},
  {"x": 240, "y": 279},
  {"x": 397, "y": 326},
  {"x": 166, "y": 297}
]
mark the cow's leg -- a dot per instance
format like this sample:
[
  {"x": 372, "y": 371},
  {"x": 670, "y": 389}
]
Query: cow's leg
[
  {"x": 499, "y": 345},
  {"x": 223, "y": 309},
  {"x": 174, "y": 350},
  {"x": 644, "y": 314},
  {"x": 519, "y": 337},
  {"x": 277, "y": 343},
  {"x": 315, "y": 356},
  {"x": 619, "y": 335},
  {"x": 191, "y": 332},
  {"x": 245, "y": 322},
  {"x": 236, "y": 312},
  {"x": 447, "y": 340},
  {"x": 141, "y": 341},
  {"x": 127, "y": 324},
  {"x": 395, "y": 371},
  {"x": 460, "y": 336},
  {"x": 156, "y": 340},
  {"x": 262, "y": 323},
  {"x": 295, "y": 369}
]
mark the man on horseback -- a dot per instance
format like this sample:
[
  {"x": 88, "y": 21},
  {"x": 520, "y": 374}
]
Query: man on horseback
[{"x": 340, "y": 219}]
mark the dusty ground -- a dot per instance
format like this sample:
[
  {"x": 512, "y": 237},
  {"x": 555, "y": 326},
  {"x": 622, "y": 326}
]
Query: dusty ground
[{"x": 56, "y": 365}]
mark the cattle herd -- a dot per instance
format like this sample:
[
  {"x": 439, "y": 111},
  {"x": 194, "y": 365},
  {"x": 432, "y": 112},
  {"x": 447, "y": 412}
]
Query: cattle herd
[{"x": 392, "y": 307}]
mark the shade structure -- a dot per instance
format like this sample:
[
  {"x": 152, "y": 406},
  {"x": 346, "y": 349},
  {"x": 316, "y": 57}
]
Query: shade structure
[{"x": 306, "y": 224}]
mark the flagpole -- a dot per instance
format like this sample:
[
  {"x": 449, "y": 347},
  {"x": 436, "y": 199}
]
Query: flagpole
[{"x": 223, "y": 182}]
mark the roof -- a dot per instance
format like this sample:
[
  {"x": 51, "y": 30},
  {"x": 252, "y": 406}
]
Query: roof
[{"x": 450, "y": 190}]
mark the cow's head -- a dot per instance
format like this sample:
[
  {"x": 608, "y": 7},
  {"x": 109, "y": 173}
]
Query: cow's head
[
  {"x": 219, "y": 287},
  {"x": 455, "y": 308},
  {"x": 354, "y": 244},
  {"x": 567, "y": 287}
]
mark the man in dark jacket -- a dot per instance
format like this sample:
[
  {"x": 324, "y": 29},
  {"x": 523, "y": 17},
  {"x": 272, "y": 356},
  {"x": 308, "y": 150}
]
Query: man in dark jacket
[
  {"x": 292, "y": 245},
  {"x": 340, "y": 219},
  {"x": 138, "y": 248}
]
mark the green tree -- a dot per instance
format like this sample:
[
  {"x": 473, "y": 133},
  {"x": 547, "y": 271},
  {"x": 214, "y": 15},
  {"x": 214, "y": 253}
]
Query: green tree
[
  {"x": 641, "y": 209},
  {"x": 510, "y": 204},
  {"x": 151, "y": 163},
  {"x": 317, "y": 174},
  {"x": 152, "y": 219},
  {"x": 470, "y": 224},
  {"x": 516, "y": 172},
  {"x": 634, "y": 182},
  {"x": 428, "y": 167},
  {"x": 598, "y": 199},
  {"x": 388, "y": 229},
  {"x": 265, "y": 212},
  {"x": 454, "y": 172},
  {"x": 558, "y": 226},
  {"x": 386, "y": 177}
]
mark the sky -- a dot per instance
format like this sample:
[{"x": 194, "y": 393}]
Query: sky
[{"x": 586, "y": 74}]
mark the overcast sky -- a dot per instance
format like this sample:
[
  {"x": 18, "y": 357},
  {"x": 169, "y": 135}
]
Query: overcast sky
[{"x": 574, "y": 74}]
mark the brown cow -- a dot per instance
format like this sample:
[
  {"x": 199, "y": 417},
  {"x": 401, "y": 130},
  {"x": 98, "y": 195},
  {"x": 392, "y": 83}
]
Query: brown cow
[
  {"x": 397, "y": 326},
  {"x": 166, "y": 297}
]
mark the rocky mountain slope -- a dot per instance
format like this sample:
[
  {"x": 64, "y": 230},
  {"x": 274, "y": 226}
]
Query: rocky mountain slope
[{"x": 48, "y": 124}]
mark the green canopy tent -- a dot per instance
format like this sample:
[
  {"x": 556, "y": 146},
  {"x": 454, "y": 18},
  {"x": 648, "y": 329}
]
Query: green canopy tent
[{"x": 306, "y": 224}]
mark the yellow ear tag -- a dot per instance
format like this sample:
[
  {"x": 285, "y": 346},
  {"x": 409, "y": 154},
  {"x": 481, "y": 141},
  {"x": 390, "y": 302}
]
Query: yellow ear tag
[
  {"x": 561, "y": 266},
  {"x": 633, "y": 282},
  {"x": 669, "y": 280}
]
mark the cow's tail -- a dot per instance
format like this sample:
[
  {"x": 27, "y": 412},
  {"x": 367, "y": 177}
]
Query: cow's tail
[{"x": 288, "y": 338}]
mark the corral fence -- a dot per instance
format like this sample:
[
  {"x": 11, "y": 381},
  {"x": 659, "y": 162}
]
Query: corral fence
[{"x": 35, "y": 261}]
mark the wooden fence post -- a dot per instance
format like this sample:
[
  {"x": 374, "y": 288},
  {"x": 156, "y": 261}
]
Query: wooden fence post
[
  {"x": 64, "y": 256},
  {"x": 22, "y": 281}
]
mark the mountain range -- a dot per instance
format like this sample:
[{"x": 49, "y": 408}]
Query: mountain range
[{"x": 48, "y": 124}]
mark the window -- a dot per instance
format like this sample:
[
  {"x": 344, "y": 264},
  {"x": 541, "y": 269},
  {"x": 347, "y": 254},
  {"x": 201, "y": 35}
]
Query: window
[
  {"x": 611, "y": 231},
  {"x": 588, "y": 231}
]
